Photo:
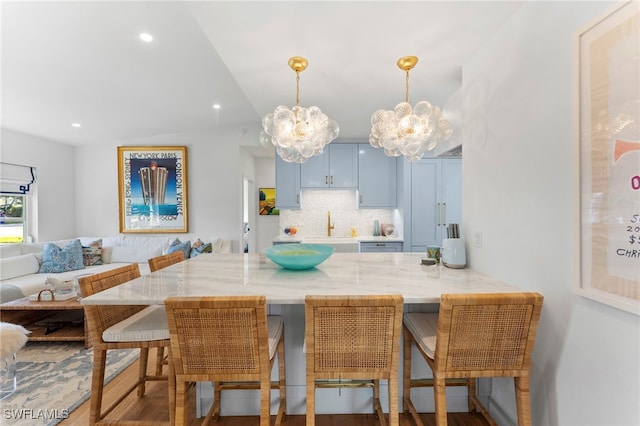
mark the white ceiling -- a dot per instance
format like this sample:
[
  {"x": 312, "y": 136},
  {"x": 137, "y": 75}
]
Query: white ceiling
[{"x": 82, "y": 61}]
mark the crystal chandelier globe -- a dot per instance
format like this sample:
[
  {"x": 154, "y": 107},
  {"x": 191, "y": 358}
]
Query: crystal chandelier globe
[
  {"x": 405, "y": 130},
  {"x": 297, "y": 133}
]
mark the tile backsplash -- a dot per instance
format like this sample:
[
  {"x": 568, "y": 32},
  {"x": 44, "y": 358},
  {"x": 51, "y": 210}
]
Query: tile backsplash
[{"x": 311, "y": 219}]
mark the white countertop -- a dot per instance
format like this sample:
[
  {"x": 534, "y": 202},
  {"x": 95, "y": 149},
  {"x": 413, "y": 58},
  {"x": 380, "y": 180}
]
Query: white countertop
[
  {"x": 341, "y": 274},
  {"x": 360, "y": 239}
]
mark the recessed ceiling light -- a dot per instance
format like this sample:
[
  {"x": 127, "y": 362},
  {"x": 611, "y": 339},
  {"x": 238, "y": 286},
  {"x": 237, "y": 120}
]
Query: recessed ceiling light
[
  {"x": 146, "y": 37},
  {"x": 216, "y": 106},
  {"x": 76, "y": 125}
]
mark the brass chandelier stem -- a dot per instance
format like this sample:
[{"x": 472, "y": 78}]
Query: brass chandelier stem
[
  {"x": 406, "y": 96},
  {"x": 406, "y": 63},
  {"x": 298, "y": 63},
  {"x": 297, "y": 88}
]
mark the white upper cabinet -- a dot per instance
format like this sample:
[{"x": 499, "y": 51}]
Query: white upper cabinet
[
  {"x": 287, "y": 184},
  {"x": 336, "y": 168},
  {"x": 377, "y": 182}
]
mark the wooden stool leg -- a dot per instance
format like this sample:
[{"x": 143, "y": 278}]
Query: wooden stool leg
[
  {"x": 311, "y": 401},
  {"x": 440, "y": 396},
  {"x": 97, "y": 385},
  {"x": 142, "y": 371},
  {"x": 282, "y": 412},
  {"x": 406, "y": 373},
  {"x": 265, "y": 401},
  {"x": 471, "y": 394},
  {"x": 159, "y": 361},
  {"x": 181, "y": 403},
  {"x": 523, "y": 402},
  {"x": 394, "y": 417}
]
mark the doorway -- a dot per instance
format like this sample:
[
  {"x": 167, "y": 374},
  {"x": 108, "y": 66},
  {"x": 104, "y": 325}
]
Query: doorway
[{"x": 248, "y": 240}]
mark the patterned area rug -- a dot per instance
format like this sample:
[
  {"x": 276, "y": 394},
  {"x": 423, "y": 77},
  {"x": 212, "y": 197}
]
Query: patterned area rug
[{"x": 53, "y": 380}]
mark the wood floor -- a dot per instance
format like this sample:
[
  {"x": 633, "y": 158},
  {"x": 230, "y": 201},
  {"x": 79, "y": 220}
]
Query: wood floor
[{"x": 154, "y": 407}]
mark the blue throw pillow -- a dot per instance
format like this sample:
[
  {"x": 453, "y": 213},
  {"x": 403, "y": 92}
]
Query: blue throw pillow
[
  {"x": 56, "y": 259},
  {"x": 200, "y": 247},
  {"x": 177, "y": 245}
]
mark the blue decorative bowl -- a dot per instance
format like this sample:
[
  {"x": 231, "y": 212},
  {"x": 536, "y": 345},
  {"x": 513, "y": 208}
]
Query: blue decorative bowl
[{"x": 298, "y": 256}]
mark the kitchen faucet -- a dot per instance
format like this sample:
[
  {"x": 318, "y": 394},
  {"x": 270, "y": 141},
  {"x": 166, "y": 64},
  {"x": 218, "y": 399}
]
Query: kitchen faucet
[{"x": 329, "y": 225}]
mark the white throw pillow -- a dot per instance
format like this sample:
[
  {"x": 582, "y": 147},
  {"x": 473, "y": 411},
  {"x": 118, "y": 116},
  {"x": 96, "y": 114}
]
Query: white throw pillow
[
  {"x": 9, "y": 250},
  {"x": 18, "y": 266},
  {"x": 124, "y": 254}
]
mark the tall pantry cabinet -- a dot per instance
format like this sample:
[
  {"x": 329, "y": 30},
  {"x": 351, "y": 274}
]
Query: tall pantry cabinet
[{"x": 435, "y": 198}]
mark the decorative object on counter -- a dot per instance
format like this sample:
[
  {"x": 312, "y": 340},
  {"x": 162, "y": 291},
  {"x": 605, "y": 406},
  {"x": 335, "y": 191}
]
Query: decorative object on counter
[
  {"x": 330, "y": 226},
  {"x": 297, "y": 133},
  {"x": 290, "y": 231},
  {"x": 428, "y": 261},
  {"x": 453, "y": 230},
  {"x": 453, "y": 253},
  {"x": 408, "y": 131},
  {"x": 387, "y": 229},
  {"x": 298, "y": 256},
  {"x": 376, "y": 228},
  {"x": 433, "y": 252},
  {"x": 353, "y": 231}
]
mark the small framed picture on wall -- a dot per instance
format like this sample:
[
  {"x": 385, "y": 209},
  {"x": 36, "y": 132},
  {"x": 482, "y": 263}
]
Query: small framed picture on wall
[{"x": 267, "y": 202}]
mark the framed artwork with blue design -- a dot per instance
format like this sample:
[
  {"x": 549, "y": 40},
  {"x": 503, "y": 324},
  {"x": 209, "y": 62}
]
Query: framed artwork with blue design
[{"x": 152, "y": 189}]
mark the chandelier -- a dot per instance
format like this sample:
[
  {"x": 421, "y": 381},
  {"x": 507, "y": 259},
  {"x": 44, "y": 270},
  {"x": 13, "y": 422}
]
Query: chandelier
[
  {"x": 297, "y": 133},
  {"x": 408, "y": 131}
]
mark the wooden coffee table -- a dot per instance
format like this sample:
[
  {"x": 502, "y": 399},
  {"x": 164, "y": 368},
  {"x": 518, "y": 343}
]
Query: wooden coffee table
[{"x": 48, "y": 321}]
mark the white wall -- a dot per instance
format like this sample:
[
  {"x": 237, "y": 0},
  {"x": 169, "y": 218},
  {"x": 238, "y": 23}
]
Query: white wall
[
  {"x": 55, "y": 165},
  {"x": 267, "y": 227},
  {"x": 214, "y": 184},
  {"x": 517, "y": 191},
  {"x": 78, "y": 192}
]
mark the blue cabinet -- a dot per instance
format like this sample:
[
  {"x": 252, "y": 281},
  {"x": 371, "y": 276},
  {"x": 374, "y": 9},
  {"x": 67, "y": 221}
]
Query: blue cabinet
[
  {"x": 381, "y": 247},
  {"x": 377, "y": 180},
  {"x": 287, "y": 184},
  {"x": 336, "y": 168},
  {"x": 436, "y": 200}
]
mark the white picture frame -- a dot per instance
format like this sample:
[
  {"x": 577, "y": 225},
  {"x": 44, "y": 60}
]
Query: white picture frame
[{"x": 607, "y": 159}]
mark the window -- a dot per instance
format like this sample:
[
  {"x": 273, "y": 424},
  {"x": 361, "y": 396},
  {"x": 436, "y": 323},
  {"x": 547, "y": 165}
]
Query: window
[
  {"x": 13, "y": 221},
  {"x": 15, "y": 186}
]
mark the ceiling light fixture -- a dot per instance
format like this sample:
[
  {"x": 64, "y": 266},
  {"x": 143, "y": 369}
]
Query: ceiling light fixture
[
  {"x": 297, "y": 133},
  {"x": 77, "y": 125},
  {"x": 146, "y": 37},
  {"x": 408, "y": 131},
  {"x": 216, "y": 106}
]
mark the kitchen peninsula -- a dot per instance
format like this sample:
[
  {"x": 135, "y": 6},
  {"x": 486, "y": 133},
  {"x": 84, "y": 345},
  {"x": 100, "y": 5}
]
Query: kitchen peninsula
[
  {"x": 285, "y": 290},
  {"x": 341, "y": 274}
]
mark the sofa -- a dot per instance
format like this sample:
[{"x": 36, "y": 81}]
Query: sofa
[{"x": 25, "y": 267}]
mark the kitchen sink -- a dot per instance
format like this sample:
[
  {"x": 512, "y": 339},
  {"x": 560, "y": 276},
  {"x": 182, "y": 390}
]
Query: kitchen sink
[{"x": 340, "y": 244}]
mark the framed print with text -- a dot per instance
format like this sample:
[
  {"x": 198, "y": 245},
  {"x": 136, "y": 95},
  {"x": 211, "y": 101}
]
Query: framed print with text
[
  {"x": 152, "y": 189},
  {"x": 608, "y": 159}
]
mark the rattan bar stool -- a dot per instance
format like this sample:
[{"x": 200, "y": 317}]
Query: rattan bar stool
[
  {"x": 355, "y": 338},
  {"x": 230, "y": 341},
  {"x": 160, "y": 262},
  {"x": 473, "y": 335},
  {"x": 120, "y": 327},
  {"x": 156, "y": 263}
]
